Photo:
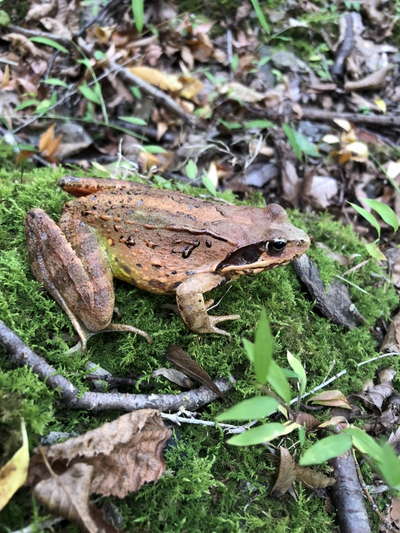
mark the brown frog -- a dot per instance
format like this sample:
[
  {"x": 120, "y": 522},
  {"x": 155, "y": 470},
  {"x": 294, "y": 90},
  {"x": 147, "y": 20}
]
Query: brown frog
[{"x": 162, "y": 241}]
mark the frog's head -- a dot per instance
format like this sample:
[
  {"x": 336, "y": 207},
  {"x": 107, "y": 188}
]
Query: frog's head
[{"x": 277, "y": 242}]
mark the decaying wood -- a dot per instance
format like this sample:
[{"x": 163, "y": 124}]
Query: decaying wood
[
  {"x": 348, "y": 496},
  {"x": 20, "y": 354}
]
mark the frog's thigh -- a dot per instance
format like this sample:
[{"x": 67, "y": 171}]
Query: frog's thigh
[
  {"x": 83, "y": 287},
  {"x": 191, "y": 305}
]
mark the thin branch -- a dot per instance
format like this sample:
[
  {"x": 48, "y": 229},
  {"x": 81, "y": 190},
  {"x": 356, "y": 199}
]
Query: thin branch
[
  {"x": 37, "y": 33},
  {"x": 340, "y": 374},
  {"x": 20, "y": 355},
  {"x": 320, "y": 115},
  {"x": 230, "y": 428}
]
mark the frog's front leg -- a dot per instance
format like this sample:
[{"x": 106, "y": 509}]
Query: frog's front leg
[
  {"x": 69, "y": 262},
  {"x": 193, "y": 309}
]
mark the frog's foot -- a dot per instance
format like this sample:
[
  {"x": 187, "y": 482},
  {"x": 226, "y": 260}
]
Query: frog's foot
[
  {"x": 193, "y": 308},
  {"x": 85, "y": 335}
]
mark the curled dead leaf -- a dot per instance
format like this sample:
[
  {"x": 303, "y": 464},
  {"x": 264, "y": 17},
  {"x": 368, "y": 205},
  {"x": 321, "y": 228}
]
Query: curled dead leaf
[
  {"x": 331, "y": 398},
  {"x": 125, "y": 454},
  {"x": 287, "y": 473}
]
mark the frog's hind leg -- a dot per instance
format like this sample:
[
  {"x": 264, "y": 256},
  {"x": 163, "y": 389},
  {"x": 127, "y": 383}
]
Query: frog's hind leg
[
  {"x": 193, "y": 309},
  {"x": 72, "y": 267}
]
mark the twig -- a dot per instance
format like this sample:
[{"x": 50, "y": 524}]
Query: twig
[
  {"x": 370, "y": 498},
  {"x": 20, "y": 354},
  {"x": 37, "y": 33},
  {"x": 347, "y": 493},
  {"x": 340, "y": 374},
  {"x": 230, "y": 428},
  {"x": 320, "y": 115}
]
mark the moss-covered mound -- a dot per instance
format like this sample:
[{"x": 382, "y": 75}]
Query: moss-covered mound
[{"x": 209, "y": 486}]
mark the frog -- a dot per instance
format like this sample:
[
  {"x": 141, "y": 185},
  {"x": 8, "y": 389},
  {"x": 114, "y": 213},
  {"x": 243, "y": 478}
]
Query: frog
[{"x": 160, "y": 240}]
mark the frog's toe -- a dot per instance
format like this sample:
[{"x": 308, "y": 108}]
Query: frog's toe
[{"x": 213, "y": 320}]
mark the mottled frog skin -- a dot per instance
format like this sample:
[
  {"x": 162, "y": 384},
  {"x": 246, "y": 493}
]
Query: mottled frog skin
[{"x": 162, "y": 241}]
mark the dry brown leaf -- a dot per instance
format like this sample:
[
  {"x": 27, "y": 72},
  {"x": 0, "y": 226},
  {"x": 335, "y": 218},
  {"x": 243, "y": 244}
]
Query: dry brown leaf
[
  {"x": 125, "y": 454},
  {"x": 68, "y": 494},
  {"x": 376, "y": 395},
  {"x": 49, "y": 143},
  {"x": 40, "y": 9},
  {"x": 306, "y": 420},
  {"x": 237, "y": 91},
  {"x": 331, "y": 398},
  {"x": 313, "y": 478},
  {"x": 391, "y": 342},
  {"x": 175, "y": 376},
  {"x": 334, "y": 421},
  {"x": 160, "y": 162},
  {"x": 26, "y": 46},
  {"x": 184, "y": 362},
  {"x": 14, "y": 473},
  {"x": 286, "y": 475},
  {"x": 162, "y": 80},
  {"x": 395, "y": 511},
  {"x": 191, "y": 86}
]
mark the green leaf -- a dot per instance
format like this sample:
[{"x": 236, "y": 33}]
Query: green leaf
[
  {"x": 55, "y": 81},
  {"x": 364, "y": 443},
  {"x": 253, "y": 408},
  {"x": 154, "y": 149},
  {"x": 90, "y": 94},
  {"x": 259, "y": 124},
  {"x": 277, "y": 379},
  {"x": 299, "y": 371},
  {"x": 49, "y": 42},
  {"x": 261, "y": 17},
  {"x": 4, "y": 18},
  {"x": 385, "y": 212},
  {"x": 261, "y": 434},
  {"x": 22, "y": 147},
  {"x": 374, "y": 251},
  {"x": 390, "y": 466},
  {"x": 138, "y": 13},
  {"x": 262, "y": 348},
  {"x": 134, "y": 120},
  {"x": 27, "y": 103},
  {"x": 209, "y": 185},
  {"x": 43, "y": 105},
  {"x": 326, "y": 448},
  {"x": 368, "y": 217},
  {"x": 249, "y": 349},
  {"x": 136, "y": 92},
  {"x": 299, "y": 143},
  {"x": 235, "y": 62},
  {"x": 230, "y": 125},
  {"x": 191, "y": 169}
]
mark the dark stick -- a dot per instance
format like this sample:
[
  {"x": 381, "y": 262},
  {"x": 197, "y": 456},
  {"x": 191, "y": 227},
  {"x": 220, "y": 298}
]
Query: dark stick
[
  {"x": 347, "y": 494},
  {"x": 21, "y": 355}
]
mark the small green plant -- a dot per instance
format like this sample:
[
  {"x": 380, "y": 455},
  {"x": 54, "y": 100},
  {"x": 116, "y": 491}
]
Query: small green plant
[
  {"x": 301, "y": 146},
  {"x": 386, "y": 213},
  {"x": 258, "y": 408},
  {"x": 138, "y": 14}
]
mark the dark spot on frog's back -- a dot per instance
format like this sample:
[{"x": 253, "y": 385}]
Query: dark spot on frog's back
[
  {"x": 157, "y": 284},
  {"x": 126, "y": 269}
]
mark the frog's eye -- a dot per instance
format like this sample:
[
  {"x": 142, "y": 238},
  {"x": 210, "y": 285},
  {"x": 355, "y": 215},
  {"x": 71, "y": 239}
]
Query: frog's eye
[{"x": 276, "y": 246}]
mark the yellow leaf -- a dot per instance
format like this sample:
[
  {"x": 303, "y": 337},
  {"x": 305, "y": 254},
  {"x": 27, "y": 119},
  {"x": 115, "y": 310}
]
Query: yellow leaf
[
  {"x": 393, "y": 169},
  {"x": 331, "y": 139},
  {"x": 358, "y": 150},
  {"x": 163, "y": 80},
  {"x": 344, "y": 124},
  {"x": 380, "y": 104},
  {"x": 13, "y": 474},
  {"x": 191, "y": 86}
]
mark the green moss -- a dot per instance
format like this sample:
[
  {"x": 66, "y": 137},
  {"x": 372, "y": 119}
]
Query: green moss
[{"x": 209, "y": 486}]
